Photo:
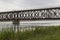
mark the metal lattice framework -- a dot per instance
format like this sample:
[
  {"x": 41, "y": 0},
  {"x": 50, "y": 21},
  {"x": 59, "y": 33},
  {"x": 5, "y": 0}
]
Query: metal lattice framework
[{"x": 33, "y": 14}]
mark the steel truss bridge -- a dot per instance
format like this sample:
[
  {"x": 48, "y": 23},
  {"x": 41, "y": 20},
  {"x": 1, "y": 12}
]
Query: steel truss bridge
[{"x": 32, "y": 14}]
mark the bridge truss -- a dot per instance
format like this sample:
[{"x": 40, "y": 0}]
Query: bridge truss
[{"x": 33, "y": 14}]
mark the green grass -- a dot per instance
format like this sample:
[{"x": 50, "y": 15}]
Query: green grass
[{"x": 40, "y": 33}]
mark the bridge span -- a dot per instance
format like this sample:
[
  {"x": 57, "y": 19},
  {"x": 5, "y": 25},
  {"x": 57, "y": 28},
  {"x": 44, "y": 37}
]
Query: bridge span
[{"x": 32, "y": 14}]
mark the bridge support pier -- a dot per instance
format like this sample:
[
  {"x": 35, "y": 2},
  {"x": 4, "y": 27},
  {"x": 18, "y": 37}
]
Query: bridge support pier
[{"x": 16, "y": 25}]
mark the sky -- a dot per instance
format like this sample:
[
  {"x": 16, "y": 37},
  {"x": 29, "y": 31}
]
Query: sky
[{"x": 9, "y": 5}]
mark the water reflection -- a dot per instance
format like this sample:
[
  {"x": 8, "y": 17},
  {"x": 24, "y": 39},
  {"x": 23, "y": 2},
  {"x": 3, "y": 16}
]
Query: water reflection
[
  {"x": 40, "y": 23},
  {"x": 5, "y": 25},
  {"x": 31, "y": 23}
]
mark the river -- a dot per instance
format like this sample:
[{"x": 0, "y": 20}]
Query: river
[{"x": 32, "y": 23}]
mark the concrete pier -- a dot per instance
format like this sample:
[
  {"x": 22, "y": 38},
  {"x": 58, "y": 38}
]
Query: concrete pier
[{"x": 16, "y": 25}]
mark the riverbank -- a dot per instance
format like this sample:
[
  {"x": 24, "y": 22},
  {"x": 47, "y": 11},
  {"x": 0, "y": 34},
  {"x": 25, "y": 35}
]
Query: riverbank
[{"x": 40, "y": 33}]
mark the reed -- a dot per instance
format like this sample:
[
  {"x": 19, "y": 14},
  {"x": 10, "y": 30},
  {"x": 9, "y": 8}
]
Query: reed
[{"x": 40, "y": 33}]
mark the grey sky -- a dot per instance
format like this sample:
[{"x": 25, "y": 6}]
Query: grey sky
[{"x": 7, "y": 5}]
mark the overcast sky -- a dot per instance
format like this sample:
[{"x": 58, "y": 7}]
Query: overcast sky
[{"x": 7, "y": 5}]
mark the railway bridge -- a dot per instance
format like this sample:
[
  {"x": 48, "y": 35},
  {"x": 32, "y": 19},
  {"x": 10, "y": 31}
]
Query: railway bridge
[{"x": 31, "y": 14}]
